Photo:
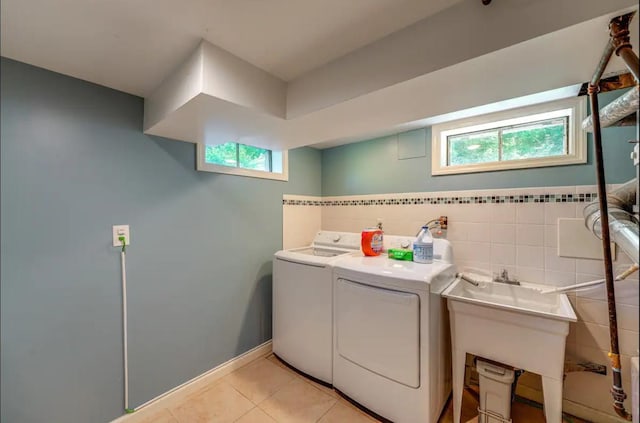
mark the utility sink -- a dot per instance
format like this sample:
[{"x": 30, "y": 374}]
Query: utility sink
[
  {"x": 526, "y": 299},
  {"x": 515, "y": 325}
]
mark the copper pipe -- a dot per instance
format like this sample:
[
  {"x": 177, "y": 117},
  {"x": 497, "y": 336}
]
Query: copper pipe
[
  {"x": 621, "y": 42},
  {"x": 616, "y": 390}
]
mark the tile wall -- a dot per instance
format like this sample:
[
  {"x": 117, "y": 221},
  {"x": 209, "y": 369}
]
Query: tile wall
[
  {"x": 301, "y": 219},
  {"x": 515, "y": 229}
]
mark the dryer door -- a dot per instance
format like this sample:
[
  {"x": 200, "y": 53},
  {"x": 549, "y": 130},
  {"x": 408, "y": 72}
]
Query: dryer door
[{"x": 379, "y": 329}]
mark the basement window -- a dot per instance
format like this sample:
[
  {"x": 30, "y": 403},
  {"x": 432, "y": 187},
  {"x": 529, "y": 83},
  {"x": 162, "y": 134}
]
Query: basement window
[
  {"x": 243, "y": 160},
  {"x": 548, "y": 134}
]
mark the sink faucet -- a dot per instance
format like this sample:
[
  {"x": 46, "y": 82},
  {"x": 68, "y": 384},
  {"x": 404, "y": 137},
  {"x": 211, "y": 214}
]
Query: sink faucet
[{"x": 503, "y": 277}]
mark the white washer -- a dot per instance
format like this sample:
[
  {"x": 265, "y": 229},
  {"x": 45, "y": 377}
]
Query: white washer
[
  {"x": 302, "y": 302},
  {"x": 391, "y": 333}
]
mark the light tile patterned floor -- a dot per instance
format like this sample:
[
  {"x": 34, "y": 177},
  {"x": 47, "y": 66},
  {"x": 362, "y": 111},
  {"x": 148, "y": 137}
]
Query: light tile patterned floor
[{"x": 267, "y": 391}]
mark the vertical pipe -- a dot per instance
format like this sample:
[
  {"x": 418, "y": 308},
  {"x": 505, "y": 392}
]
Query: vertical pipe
[{"x": 616, "y": 390}]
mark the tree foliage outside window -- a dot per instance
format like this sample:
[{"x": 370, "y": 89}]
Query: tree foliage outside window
[
  {"x": 239, "y": 155},
  {"x": 531, "y": 140}
]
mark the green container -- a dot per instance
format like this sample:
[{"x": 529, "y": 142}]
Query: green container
[{"x": 400, "y": 254}]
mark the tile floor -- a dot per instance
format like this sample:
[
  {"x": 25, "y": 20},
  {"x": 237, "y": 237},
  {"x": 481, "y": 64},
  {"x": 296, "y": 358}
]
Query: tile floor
[{"x": 267, "y": 391}]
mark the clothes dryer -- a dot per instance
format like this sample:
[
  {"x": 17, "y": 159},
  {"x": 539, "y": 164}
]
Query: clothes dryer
[{"x": 391, "y": 349}]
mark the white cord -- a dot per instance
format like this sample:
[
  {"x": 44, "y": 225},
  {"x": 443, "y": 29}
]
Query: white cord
[
  {"x": 124, "y": 330},
  {"x": 572, "y": 287},
  {"x": 623, "y": 275}
]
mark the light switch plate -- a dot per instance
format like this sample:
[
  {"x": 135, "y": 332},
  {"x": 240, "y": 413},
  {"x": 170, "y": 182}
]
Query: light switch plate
[
  {"x": 576, "y": 241},
  {"x": 118, "y": 231}
]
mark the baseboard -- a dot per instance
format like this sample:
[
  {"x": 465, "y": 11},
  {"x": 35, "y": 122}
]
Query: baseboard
[
  {"x": 177, "y": 394},
  {"x": 573, "y": 408}
]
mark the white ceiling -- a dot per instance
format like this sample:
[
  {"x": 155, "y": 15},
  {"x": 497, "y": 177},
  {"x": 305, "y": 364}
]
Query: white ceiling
[{"x": 133, "y": 45}]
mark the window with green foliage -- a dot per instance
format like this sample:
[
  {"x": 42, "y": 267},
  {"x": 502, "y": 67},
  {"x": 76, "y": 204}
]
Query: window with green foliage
[
  {"x": 243, "y": 160},
  {"x": 537, "y": 139},
  {"x": 543, "y": 135},
  {"x": 239, "y": 155}
]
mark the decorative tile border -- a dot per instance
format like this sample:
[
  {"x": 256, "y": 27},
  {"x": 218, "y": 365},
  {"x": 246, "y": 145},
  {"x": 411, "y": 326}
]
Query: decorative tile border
[
  {"x": 288, "y": 202},
  {"x": 488, "y": 199}
]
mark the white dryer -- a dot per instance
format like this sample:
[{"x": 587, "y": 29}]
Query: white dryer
[
  {"x": 391, "y": 333},
  {"x": 302, "y": 302}
]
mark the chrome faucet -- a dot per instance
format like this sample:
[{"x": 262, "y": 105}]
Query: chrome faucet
[{"x": 503, "y": 277}]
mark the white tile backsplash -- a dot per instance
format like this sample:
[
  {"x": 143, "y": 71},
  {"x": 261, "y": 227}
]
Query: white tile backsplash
[
  {"x": 532, "y": 235},
  {"x": 596, "y": 311},
  {"x": 479, "y": 232},
  {"x": 554, "y": 262},
  {"x": 503, "y": 254},
  {"x": 592, "y": 267},
  {"x": 503, "y": 233},
  {"x": 458, "y": 232},
  {"x": 501, "y": 213},
  {"x": 550, "y": 236},
  {"x": 592, "y": 334},
  {"x": 482, "y": 268},
  {"x": 528, "y": 256},
  {"x": 472, "y": 251},
  {"x": 532, "y": 213},
  {"x": 302, "y": 224},
  {"x": 556, "y": 278}
]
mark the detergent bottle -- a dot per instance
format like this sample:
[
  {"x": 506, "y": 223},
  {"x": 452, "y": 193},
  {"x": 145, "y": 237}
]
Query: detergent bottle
[
  {"x": 372, "y": 241},
  {"x": 423, "y": 246}
]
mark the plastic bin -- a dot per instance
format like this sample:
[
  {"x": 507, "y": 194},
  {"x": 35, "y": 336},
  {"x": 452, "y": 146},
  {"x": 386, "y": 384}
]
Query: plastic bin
[{"x": 496, "y": 383}]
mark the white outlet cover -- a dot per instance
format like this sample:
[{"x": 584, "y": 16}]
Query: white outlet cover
[{"x": 118, "y": 231}]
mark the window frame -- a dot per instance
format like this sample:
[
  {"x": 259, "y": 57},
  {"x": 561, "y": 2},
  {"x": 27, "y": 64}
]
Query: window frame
[
  {"x": 576, "y": 136},
  {"x": 202, "y": 165}
]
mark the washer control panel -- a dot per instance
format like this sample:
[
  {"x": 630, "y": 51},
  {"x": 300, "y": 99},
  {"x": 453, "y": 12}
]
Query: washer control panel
[{"x": 345, "y": 240}]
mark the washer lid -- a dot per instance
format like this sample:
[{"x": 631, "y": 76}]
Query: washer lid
[
  {"x": 327, "y": 246},
  {"x": 319, "y": 252},
  {"x": 312, "y": 255}
]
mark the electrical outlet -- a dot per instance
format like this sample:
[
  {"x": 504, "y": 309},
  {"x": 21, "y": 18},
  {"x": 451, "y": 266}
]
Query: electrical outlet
[{"x": 118, "y": 231}]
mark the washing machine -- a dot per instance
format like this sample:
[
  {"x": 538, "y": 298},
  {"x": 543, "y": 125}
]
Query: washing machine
[
  {"x": 391, "y": 349},
  {"x": 302, "y": 302}
]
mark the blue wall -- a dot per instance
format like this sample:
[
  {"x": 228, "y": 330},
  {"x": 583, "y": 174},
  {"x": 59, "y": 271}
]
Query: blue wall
[
  {"x": 373, "y": 167},
  {"x": 74, "y": 161}
]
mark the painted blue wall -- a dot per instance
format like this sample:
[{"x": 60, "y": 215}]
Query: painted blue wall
[
  {"x": 373, "y": 167},
  {"x": 74, "y": 161}
]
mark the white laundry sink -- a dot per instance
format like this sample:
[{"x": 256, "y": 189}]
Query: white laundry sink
[
  {"x": 515, "y": 325},
  {"x": 526, "y": 299}
]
